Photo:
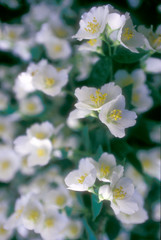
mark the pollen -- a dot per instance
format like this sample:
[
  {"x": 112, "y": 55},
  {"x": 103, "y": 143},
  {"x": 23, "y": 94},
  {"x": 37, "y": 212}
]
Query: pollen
[
  {"x": 12, "y": 35},
  {"x": 5, "y": 165},
  {"x": 73, "y": 229},
  {"x": 31, "y": 107},
  {"x": 58, "y": 48},
  {"x": 115, "y": 115},
  {"x": 104, "y": 170},
  {"x": 82, "y": 178},
  {"x": 60, "y": 200},
  {"x": 19, "y": 212},
  {"x": 118, "y": 193},
  {"x": 49, "y": 82},
  {"x": 146, "y": 163},
  {"x": 2, "y": 230},
  {"x": 93, "y": 27},
  {"x": 99, "y": 98},
  {"x": 34, "y": 216},
  {"x": 127, "y": 34},
  {"x": 41, "y": 152},
  {"x": 2, "y": 128},
  {"x": 40, "y": 135},
  {"x": 49, "y": 222},
  {"x": 92, "y": 42}
]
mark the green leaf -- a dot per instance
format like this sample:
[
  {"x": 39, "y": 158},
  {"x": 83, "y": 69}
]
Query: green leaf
[
  {"x": 36, "y": 52},
  {"x": 98, "y": 153},
  {"x": 120, "y": 148},
  {"x": 85, "y": 138},
  {"x": 124, "y": 55},
  {"x": 90, "y": 233},
  {"x": 100, "y": 73},
  {"x": 68, "y": 211},
  {"x": 96, "y": 206}
]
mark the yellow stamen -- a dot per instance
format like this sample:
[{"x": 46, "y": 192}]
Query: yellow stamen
[
  {"x": 19, "y": 212},
  {"x": 41, "y": 152},
  {"x": 12, "y": 35},
  {"x": 73, "y": 229},
  {"x": 40, "y": 135},
  {"x": 92, "y": 42},
  {"x": 2, "y": 230},
  {"x": 58, "y": 48},
  {"x": 5, "y": 165},
  {"x": 118, "y": 193},
  {"x": 104, "y": 170},
  {"x": 146, "y": 163},
  {"x": 2, "y": 128},
  {"x": 49, "y": 222},
  {"x": 82, "y": 178},
  {"x": 31, "y": 106},
  {"x": 127, "y": 34},
  {"x": 99, "y": 98},
  {"x": 92, "y": 27},
  {"x": 60, "y": 200},
  {"x": 155, "y": 39},
  {"x": 34, "y": 216},
  {"x": 135, "y": 97},
  {"x": 60, "y": 32},
  {"x": 115, "y": 114},
  {"x": 49, "y": 82}
]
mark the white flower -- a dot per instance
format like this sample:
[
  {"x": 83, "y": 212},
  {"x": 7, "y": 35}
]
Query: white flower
[
  {"x": 6, "y": 128},
  {"x": 92, "y": 23},
  {"x": 152, "y": 65},
  {"x": 24, "y": 168},
  {"x": 58, "y": 48},
  {"x": 33, "y": 215},
  {"x": 150, "y": 160},
  {"x": 41, "y": 131},
  {"x": 116, "y": 118},
  {"x": 105, "y": 167},
  {"x": 93, "y": 99},
  {"x": 74, "y": 229},
  {"x": 138, "y": 217},
  {"x": 31, "y": 106},
  {"x": 58, "y": 198},
  {"x": 4, "y": 233},
  {"x": 120, "y": 195},
  {"x": 83, "y": 178},
  {"x": 138, "y": 180},
  {"x": 156, "y": 212},
  {"x": 15, "y": 219},
  {"x": 115, "y": 20},
  {"x": 91, "y": 45},
  {"x": 152, "y": 39},
  {"x": 141, "y": 99},
  {"x": 53, "y": 225},
  {"x": 9, "y": 164},
  {"x": 4, "y": 99},
  {"x": 49, "y": 80},
  {"x": 40, "y": 152},
  {"x": 129, "y": 37},
  {"x": 136, "y": 77}
]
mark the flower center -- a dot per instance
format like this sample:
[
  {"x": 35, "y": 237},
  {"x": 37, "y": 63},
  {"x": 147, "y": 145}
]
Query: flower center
[
  {"x": 92, "y": 42},
  {"x": 49, "y": 222},
  {"x": 40, "y": 135},
  {"x": 19, "y": 212},
  {"x": 2, "y": 128},
  {"x": 127, "y": 34},
  {"x": 60, "y": 32},
  {"x": 135, "y": 97},
  {"x": 92, "y": 27},
  {"x": 74, "y": 229},
  {"x": 49, "y": 82},
  {"x": 118, "y": 193},
  {"x": 2, "y": 230},
  {"x": 99, "y": 98},
  {"x": 57, "y": 48},
  {"x": 31, "y": 106},
  {"x": 104, "y": 170},
  {"x": 155, "y": 39},
  {"x": 34, "y": 216},
  {"x": 60, "y": 200},
  {"x": 82, "y": 178},
  {"x": 41, "y": 152},
  {"x": 146, "y": 163},
  {"x": 115, "y": 115},
  {"x": 12, "y": 35},
  {"x": 5, "y": 165}
]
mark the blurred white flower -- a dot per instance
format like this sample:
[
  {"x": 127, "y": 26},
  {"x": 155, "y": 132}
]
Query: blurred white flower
[
  {"x": 6, "y": 128},
  {"x": 155, "y": 134},
  {"x": 150, "y": 160},
  {"x": 31, "y": 106},
  {"x": 9, "y": 163},
  {"x": 4, "y": 100},
  {"x": 156, "y": 211},
  {"x": 152, "y": 65},
  {"x": 4, "y": 233},
  {"x": 41, "y": 131},
  {"x": 74, "y": 229},
  {"x": 116, "y": 118},
  {"x": 83, "y": 178}
]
